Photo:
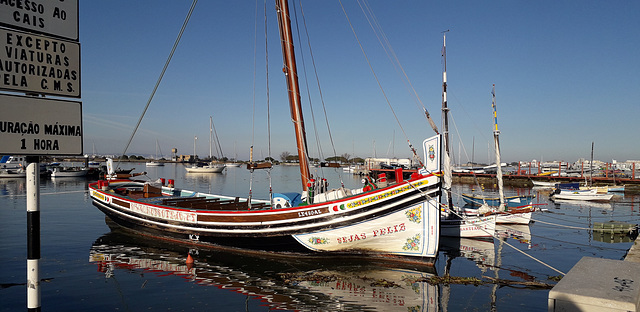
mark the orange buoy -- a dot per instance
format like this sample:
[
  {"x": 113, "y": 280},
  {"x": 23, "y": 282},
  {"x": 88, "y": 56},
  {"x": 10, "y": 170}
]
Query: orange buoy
[{"x": 189, "y": 259}]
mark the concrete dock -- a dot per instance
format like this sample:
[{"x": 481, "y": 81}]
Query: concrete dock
[
  {"x": 596, "y": 284},
  {"x": 633, "y": 255}
]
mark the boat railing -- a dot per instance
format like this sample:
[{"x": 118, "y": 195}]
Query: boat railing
[{"x": 205, "y": 203}]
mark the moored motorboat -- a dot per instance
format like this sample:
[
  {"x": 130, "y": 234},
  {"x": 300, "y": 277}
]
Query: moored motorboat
[
  {"x": 69, "y": 172},
  {"x": 581, "y": 195},
  {"x": 13, "y": 173}
]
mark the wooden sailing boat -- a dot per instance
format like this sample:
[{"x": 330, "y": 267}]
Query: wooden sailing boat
[
  {"x": 504, "y": 213},
  {"x": 454, "y": 222},
  {"x": 211, "y": 167},
  {"x": 400, "y": 219}
]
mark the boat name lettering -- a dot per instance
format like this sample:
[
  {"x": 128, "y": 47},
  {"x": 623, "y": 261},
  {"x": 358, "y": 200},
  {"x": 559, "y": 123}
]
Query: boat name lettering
[
  {"x": 309, "y": 213},
  {"x": 379, "y": 232},
  {"x": 163, "y": 213},
  {"x": 353, "y": 288},
  {"x": 159, "y": 265},
  {"x": 390, "y": 229},
  {"x": 469, "y": 228},
  {"x": 98, "y": 195},
  {"x": 384, "y": 195},
  {"x": 352, "y": 238}
]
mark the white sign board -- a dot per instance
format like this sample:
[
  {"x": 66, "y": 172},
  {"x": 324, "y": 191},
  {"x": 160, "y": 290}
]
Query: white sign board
[
  {"x": 53, "y": 17},
  {"x": 39, "y": 126},
  {"x": 33, "y": 63}
]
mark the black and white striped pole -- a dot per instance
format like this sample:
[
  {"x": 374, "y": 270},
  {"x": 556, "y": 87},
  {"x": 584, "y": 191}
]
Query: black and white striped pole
[{"x": 33, "y": 233}]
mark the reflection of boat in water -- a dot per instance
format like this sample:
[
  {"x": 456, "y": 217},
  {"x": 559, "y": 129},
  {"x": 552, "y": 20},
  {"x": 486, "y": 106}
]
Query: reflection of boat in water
[
  {"x": 16, "y": 186},
  {"x": 480, "y": 251},
  {"x": 280, "y": 282},
  {"x": 519, "y": 232},
  {"x": 583, "y": 203}
]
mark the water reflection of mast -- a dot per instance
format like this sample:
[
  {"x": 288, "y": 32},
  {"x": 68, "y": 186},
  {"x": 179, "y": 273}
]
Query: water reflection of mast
[{"x": 494, "y": 290}]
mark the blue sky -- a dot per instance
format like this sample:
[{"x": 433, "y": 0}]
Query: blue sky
[{"x": 566, "y": 75}]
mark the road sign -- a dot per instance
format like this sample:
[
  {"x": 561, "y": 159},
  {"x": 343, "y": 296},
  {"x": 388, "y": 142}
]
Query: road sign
[
  {"x": 56, "y": 18},
  {"x": 38, "y": 64},
  {"x": 39, "y": 126}
]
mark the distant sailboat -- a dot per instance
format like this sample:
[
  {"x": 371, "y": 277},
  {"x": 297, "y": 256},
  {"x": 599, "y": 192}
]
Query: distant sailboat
[
  {"x": 156, "y": 162},
  {"x": 211, "y": 167}
]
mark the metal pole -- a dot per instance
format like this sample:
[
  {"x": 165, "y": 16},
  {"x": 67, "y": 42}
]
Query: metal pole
[{"x": 33, "y": 233}]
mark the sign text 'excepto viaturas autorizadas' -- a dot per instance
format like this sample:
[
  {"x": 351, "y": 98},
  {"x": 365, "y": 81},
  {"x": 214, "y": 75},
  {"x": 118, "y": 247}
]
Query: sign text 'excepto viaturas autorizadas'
[{"x": 36, "y": 64}]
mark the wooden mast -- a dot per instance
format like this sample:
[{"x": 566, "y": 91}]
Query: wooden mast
[
  {"x": 445, "y": 125},
  {"x": 496, "y": 140},
  {"x": 291, "y": 75}
]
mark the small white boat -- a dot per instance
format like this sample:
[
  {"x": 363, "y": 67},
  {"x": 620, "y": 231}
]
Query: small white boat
[
  {"x": 210, "y": 168},
  {"x": 13, "y": 173},
  {"x": 64, "y": 172},
  {"x": 581, "y": 195},
  {"x": 543, "y": 184}
]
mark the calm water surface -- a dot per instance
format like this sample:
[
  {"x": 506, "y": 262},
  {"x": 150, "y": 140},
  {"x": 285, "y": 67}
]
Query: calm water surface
[{"x": 87, "y": 266}]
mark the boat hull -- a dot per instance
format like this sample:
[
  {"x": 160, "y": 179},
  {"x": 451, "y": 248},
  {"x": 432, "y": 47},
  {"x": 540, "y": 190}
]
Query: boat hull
[
  {"x": 591, "y": 195},
  {"x": 205, "y": 169},
  {"x": 13, "y": 173},
  {"x": 70, "y": 173},
  {"x": 394, "y": 216},
  {"x": 470, "y": 227},
  {"x": 511, "y": 201},
  {"x": 517, "y": 215},
  {"x": 410, "y": 231}
]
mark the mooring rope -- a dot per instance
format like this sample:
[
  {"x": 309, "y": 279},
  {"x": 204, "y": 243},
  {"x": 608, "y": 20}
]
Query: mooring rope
[
  {"x": 493, "y": 235},
  {"x": 566, "y": 226}
]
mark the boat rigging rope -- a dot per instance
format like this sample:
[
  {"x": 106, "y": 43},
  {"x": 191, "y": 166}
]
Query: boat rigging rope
[
  {"x": 266, "y": 56},
  {"x": 492, "y": 234},
  {"x": 413, "y": 150},
  {"x": 391, "y": 54},
  {"x": 155, "y": 88},
  {"x": 317, "y": 79}
]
